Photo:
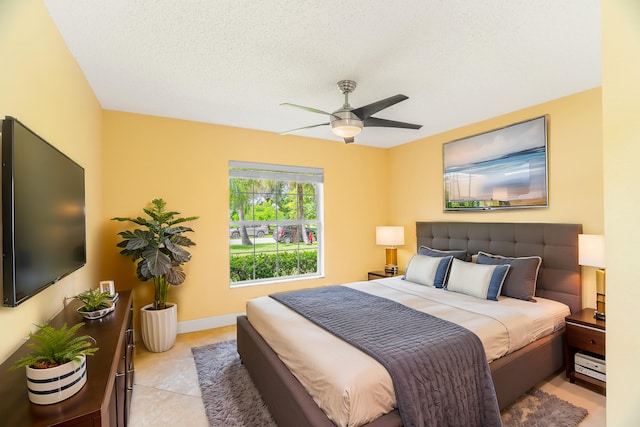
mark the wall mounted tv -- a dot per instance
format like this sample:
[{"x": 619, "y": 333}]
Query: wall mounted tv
[{"x": 43, "y": 214}]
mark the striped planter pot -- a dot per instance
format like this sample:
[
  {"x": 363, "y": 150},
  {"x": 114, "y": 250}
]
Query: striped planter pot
[{"x": 52, "y": 385}]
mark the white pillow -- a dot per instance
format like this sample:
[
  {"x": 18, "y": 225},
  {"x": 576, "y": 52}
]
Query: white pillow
[
  {"x": 478, "y": 280},
  {"x": 427, "y": 270}
]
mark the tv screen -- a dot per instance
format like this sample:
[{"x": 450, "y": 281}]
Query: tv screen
[{"x": 43, "y": 213}]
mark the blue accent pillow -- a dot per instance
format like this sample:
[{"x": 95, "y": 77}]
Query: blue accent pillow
[
  {"x": 521, "y": 280},
  {"x": 497, "y": 281},
  {"x": 427, "y": 270}
]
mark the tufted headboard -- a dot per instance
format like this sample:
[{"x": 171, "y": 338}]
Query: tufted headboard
[{"x": 559, "y": 277}]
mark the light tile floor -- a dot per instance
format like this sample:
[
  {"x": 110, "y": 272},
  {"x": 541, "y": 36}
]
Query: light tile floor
[{"x": 166, "y": 391}]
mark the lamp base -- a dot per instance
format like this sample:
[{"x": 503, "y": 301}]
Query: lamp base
[
  {"x": 600, "y": 294},
  {"x": 391, "y": 265},
  {"x": 391, "y": 268}
]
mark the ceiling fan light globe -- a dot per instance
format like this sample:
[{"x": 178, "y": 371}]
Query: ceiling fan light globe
[
  {"x": 345, "y": 124},
  {"x": 346, "y": 130}
]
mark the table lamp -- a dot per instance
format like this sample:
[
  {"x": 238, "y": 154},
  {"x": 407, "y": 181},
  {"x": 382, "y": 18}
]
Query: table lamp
[
  {"x": 390, "y": 236},
  {"x": 591, "y": 254}
]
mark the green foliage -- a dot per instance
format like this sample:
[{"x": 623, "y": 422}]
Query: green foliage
[
  {"x": 265, "y": 200},
  {"x": 288, "y": 264},
  {"x": 263, "y": 212},
  {"x": 158, "y": 248},
  {"x": 53, "y": 347},
  {"x": 94, "y": 300},
  {"x": 270, "y": 200}
]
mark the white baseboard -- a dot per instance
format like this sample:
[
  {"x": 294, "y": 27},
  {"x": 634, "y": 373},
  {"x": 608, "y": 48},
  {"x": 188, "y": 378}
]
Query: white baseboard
[
  {"x": 201, "y": 324},
  {"x": 208, "y": 323}
]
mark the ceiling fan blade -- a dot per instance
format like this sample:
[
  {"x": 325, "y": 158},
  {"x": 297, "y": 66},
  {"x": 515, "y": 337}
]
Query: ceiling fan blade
[
  {"x": 369, "y": 110},
  {"x": 384, "y": 123},
  {"x": 302, "y": 128},
  {"x": 302, "y": 107},
  {"x": 349, "y": 140}
]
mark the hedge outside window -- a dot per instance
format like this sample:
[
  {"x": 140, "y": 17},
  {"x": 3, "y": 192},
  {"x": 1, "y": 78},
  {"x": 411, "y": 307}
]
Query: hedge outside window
[{"x": 275, "y": 223}]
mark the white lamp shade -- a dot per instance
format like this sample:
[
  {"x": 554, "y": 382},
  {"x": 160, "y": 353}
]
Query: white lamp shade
[
  {"x": 390, "y": 235},
  {"x": 591, "y": 250}
]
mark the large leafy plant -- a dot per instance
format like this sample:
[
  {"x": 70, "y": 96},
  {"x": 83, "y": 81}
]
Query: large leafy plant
[
  {"x": 158, "y": 248},
  {"x": 54, "y": 347}
]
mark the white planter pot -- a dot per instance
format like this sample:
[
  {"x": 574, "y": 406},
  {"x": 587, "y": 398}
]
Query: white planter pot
[
  {"x": 52, "y": 385},
  {"x": 96, "y": 314},
  {"x": 159, "y": 328}
]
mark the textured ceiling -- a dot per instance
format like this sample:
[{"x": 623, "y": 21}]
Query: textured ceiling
[{"x": 232, "y": 62}]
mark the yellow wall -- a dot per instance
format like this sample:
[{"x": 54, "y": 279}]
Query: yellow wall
[
  {"x": 575, "y": 174},
  {"x": 186, "y": 163},
  {"x": 42, "y": 86},
  {"x": 621, "y": 131}
]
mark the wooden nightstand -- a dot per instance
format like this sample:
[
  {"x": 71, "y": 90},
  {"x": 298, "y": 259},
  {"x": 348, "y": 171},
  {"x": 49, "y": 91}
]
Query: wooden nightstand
[
  {"x": 588, "y": 335},
  {"x": 382, "y": 274}
]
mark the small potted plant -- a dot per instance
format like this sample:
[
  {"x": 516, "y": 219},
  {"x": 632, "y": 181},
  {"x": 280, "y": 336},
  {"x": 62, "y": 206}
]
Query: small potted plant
[
  {"x": 56, "y": 367},
  {"x": 96, "y": 304}
]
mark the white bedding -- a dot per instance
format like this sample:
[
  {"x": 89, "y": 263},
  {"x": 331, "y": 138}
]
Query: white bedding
[{"x": 354, "y": 389}]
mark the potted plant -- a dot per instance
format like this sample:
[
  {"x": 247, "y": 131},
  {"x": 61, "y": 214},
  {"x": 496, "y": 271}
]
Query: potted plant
[
  {"x": 159, "y": 250},
  {"x": 96, "y": 304},
  {"x": 56, "y": 367}
]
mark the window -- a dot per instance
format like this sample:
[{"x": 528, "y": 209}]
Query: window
[{"x": 275, "y": 222}]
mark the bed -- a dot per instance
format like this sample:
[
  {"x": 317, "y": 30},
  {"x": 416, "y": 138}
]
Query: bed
[{"x": 558, "y": 280}]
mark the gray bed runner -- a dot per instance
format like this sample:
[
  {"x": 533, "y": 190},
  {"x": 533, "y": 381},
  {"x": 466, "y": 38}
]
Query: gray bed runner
[{"x": 439, "y": 369}]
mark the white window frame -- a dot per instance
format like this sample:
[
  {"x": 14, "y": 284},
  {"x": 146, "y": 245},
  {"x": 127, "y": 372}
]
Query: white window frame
[{"x": 264, "y": 171}]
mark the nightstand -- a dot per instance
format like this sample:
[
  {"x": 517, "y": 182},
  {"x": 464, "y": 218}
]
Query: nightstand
[
  {"x": 587, "y": 335},
  {"x": 382, "y": 274}
]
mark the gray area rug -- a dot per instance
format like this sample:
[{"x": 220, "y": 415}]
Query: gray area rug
[
  {"x": 229, "y": 396},
  {"x": 539, "y": 409},
  {"x": 231, "y": 400}
]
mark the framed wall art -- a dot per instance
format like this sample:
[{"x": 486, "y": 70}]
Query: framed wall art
[{"x": 504, "y": 168}]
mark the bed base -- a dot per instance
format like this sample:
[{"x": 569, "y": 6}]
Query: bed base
[{"x": 291, "y": 405}]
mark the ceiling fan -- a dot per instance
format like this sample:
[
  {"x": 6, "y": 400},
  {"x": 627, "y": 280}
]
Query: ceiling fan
[{"x": 348, "y": 122}]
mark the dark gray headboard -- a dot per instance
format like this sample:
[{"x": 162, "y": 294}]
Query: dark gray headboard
[{"x": 560, "y": 275}]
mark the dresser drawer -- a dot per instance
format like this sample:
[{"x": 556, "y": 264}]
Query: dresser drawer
[{"x": 586, "y": 338}]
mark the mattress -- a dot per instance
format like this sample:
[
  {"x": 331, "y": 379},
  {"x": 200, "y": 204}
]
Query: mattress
[{"x": 354, "y": 389}]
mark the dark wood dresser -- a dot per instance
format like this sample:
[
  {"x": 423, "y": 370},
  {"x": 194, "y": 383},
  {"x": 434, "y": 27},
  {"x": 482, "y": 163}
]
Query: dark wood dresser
[{"x": 105, "y": 398}]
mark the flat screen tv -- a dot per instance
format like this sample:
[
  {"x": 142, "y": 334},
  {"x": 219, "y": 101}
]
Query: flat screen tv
[{"x": 43, "y": 214}]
